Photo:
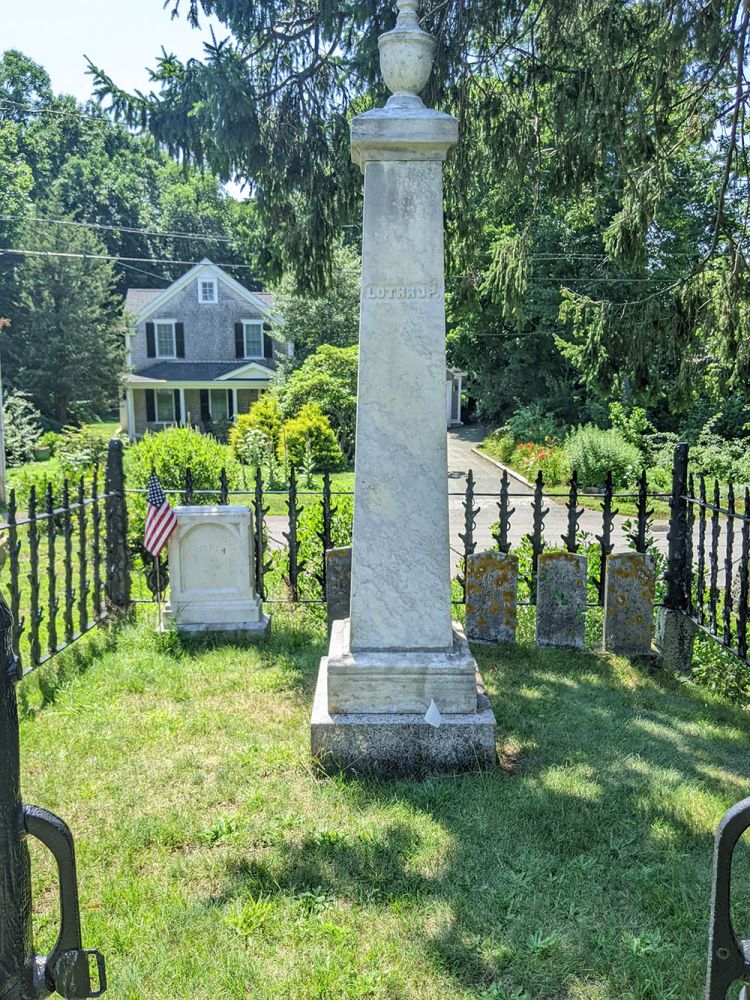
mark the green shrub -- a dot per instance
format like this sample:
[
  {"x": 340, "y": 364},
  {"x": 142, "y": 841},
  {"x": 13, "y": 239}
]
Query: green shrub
[
  {"x": 264, "y": 415},
  {"x": 170, "y": 452},
  {"x": 80, "y": 450},
  {"x": 716, "y": 457},
  {"x": 22, "y": 428},
  {"x": 533, "y": 423},
  {"x": 38, "y": 477},
  {"x": 499, "y": 445},
  {"x": 594, "y": 452},
  {"x": 632, "y": 422},
  {"x": 251, "y": 447},
  {"x": 50, "y": 439},
  {"x": 313, "y": 426}
]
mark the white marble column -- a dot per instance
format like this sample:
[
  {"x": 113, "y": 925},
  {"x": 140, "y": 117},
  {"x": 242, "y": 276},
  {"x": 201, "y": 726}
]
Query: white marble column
[{"x": 399, "y": 652}]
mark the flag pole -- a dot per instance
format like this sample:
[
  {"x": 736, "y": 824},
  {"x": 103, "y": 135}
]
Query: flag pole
[{"x": 158, "y": 592}]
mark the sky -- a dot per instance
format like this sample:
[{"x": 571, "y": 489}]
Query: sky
[{"x": 123, "y": 37}]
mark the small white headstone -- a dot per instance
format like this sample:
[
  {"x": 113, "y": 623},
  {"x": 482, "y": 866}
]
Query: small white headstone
[{"x": 212, "y": 572}]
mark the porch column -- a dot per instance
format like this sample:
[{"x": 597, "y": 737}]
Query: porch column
[
  {"x": 183, "y": 415},
  {"x": 131, "y": 414},
  {"x": 234, "y": 403}
]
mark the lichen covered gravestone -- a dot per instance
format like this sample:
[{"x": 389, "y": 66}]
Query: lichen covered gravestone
[
  {"x": 212, "y": 573},
  {"x": 338, "y": 584},
  {"x": 629, "y": 604},
  {"x": 561, "y": 599},
  {"x": 491, "y": 597}
]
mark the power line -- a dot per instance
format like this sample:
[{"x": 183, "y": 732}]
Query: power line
[
  {"x": 149, "y": 274},
  {"x": 167, "y": 234},
  {"x": 117, "y": 229},
  {"x": 114, "y": 257}
]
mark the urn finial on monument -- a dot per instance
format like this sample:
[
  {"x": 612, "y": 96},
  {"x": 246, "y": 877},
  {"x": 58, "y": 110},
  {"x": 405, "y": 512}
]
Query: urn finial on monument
[
  {"x": 404, "y": 129},
  {"x": 406, "y": 57}
]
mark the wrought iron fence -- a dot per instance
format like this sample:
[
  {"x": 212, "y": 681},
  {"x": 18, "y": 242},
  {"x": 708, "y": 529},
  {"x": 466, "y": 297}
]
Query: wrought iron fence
[
  {"x": 295, "y": 571},
  {"x": 70, "y": 560},
  {"x": 708, "y": 577},
  {"x": 67, "y": 565}
]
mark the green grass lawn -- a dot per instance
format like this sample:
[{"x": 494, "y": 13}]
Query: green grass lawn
[
  {"x": 216, "y": 862},
  {"x": 51, "y": 467}
]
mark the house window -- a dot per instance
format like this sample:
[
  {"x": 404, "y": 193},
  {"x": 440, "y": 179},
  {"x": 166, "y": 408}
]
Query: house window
[
  {"x": 207, "y": 290},
  {"x": 219, "y": 405},
  {"x": 165, "y": 406},
  {"x": 253, "y": 339},
  {"x": 165, "y": 340}
]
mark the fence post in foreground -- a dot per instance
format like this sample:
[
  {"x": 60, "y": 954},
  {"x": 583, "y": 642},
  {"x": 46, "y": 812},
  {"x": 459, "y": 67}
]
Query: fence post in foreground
[
  {"x": 118, "y": 562},
  {"x": 728, "y": 956},
  {"x": 16, "y": 958},
  {"x": 67, "y": 970},
  {"x": 675, "y": 631}
]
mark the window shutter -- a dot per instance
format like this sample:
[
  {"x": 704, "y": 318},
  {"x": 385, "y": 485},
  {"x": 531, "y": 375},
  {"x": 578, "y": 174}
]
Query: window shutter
[
  {"x": 267, "y": 341},
  {"x": 205, "y": 408},
  {"x": 150, "y": 340},
  {"x": 177, "y": 407},
  {"x": 239, "y": 340},
  {"x": 230, "y": 403},
  {"x": 179, "y": 336},
  {"x": 150, "y": 405}
]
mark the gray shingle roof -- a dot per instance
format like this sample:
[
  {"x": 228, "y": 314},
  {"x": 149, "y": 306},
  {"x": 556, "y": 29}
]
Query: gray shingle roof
[
  {"x": 138, "y": 298},
  {"x": 195, "y": 371}
]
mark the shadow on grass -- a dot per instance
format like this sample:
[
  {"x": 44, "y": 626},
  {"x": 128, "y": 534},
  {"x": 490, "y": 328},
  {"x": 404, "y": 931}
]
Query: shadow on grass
[
  {"x": 41, "y": 687},
  {"x": 289, "y": 641},
  {"x": 603, "y": 835}
]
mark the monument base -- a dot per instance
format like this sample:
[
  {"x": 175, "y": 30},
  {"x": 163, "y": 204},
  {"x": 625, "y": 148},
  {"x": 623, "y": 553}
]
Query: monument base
[
  {"x": 399, "y": 681},
  {"x": 398, "y": 740},
  {"x": 241, "y": 618},
  {"x": 401, "y": 745}
]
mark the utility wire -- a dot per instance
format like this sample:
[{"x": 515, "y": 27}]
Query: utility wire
[
  {"x": 248, "y": 267},
  {"x": 117, "y": 229},
  {"x": 167, "y": 234},
  {"x": 104, "y": 256}
]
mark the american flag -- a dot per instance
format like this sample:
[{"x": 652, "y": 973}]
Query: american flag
[{"x": 161, "y": 520}]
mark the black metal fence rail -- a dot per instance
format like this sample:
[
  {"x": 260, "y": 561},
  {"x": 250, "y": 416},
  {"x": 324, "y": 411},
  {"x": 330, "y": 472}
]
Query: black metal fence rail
[
  {"x": 67, "y": 564},
  {"x": 294, "y": 570},
  {"x": 717, "y": 587},
  {"x": 709, "y": 553}
]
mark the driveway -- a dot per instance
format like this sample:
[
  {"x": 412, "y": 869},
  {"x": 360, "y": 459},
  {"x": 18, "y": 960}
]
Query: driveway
[
  {"x": 462, "y": 458},
  {"x": 487, "y": 476}
]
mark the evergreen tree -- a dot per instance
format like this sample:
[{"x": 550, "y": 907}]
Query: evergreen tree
[{"x": 65, "y": 345}]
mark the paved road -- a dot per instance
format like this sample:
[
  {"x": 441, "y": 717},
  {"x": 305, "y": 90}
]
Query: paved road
[
  {"x": 461, "y": 458},
  {"x": 487, "y": 476}
]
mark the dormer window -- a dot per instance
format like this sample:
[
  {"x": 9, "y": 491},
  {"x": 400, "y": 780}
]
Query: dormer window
[{"x": 207, "y": 291}]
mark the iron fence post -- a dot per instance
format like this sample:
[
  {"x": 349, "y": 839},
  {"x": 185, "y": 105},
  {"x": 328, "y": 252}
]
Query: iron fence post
[
  {"x": 16, "y": 948},
  {"x": 67, "y": 969},
  {"x": 116, "y": 513},
  {"x": 677, "y": 558}
]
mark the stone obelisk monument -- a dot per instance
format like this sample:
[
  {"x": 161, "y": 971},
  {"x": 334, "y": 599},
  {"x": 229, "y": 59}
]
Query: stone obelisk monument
[{"x": 399, "y": 691}]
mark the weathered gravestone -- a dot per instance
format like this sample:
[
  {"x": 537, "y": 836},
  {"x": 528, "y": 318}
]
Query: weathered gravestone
[
  {"x": 212, "y": 573},
  {"x": 399, "y": 653},
  {"x": 675, "y": 640},
  {"x": 629, "y": 604},
  {"x": 338, "y": 584},
  {"x": 491, "y": 597},
  {"x": 561, "y": 599}
]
